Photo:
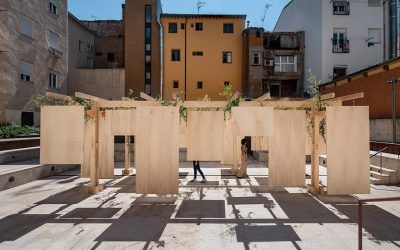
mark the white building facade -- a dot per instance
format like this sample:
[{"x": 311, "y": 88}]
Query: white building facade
[{"x": 341, "y": 37}]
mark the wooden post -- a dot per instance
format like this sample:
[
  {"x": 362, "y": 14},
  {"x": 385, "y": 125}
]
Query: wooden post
[
  {"x": 314, "y": 188},
  {"x": 95, "y": 186},
  {"x": 126, "y": 170}
]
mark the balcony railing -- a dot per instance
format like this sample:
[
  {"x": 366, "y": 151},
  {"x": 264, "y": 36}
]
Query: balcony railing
[
  {"x": 341, "y": 8},
  {"x": 340, "y": 46}
]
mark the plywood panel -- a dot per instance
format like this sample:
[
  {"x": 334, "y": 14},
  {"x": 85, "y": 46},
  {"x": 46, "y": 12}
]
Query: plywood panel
[
  {"x": 287, "y": 154},
  {"x": 321, "y": 144},
  {"x": 348, "y": 150},
  {"x": 62, "y": 134},
  {"x": 106, "y": 146},
  {"x": 123, "y": 122},
  {"x": 205, "y": 135},
  {"x": 231, "y": 147},
  {"x": 157, "y": 150},
  {"x": 259, "y": 143},
  {"x": 183, "y": 134},
  {"x": 253, "y": 121},
  {"x": 87, "y": 152}
]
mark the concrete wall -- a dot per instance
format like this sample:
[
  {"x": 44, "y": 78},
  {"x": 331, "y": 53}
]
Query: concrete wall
[
  {"x": 306, "y": 15},
  {"x": 382, "y": 130},
  {"x": 16, "y": 94},
  {"x": 316, "y": 18},
  {"x": 361, "y": 18},
  {"x": 253, "y": 75},
  {"x": 208, "y": 68},
  {"x": 104, "y": 83},
  {"x": 135, "y": 47}
]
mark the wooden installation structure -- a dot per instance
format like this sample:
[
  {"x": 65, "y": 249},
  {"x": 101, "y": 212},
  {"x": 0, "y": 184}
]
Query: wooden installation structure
[{"x": 210, "y": 134}]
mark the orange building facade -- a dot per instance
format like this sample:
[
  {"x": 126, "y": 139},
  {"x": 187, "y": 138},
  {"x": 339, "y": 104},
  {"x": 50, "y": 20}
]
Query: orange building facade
[{"x": 202, "y": 54}]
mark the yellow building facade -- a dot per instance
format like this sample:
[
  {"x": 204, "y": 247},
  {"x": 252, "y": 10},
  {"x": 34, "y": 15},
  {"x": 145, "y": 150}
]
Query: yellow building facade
[{"x": 202, "y": 53}]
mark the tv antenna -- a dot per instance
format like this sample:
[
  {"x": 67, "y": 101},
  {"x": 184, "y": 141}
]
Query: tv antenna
[
  {"x": 94, "y": 17},
  {"x": 200, "y": 5},
  {"x": 267, "y": 6}
]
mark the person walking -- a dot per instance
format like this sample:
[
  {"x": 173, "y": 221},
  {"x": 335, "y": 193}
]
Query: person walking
[
  {"x": 243, "y": 168},
  {"x": 196, "y": 167}
]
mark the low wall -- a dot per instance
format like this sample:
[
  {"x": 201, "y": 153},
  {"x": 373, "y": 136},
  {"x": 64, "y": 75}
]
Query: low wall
[
  {"x": 382, "y": 130},
  {"x": 104, "y": 83}
]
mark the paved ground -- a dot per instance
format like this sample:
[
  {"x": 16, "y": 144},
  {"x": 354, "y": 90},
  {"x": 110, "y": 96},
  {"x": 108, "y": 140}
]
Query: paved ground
[{"x": 227, "y": 213}]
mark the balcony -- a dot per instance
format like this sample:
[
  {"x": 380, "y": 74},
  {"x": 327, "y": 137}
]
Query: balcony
[
  {"x": 56, "y": 52},
  {"x": 340, "y": 46},
  {"x": 341, "y": 8}
]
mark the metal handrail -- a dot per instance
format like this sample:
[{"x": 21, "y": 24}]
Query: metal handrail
[
  {"x": 379, "y": 152},
  {"x": 360, "y": 204}
]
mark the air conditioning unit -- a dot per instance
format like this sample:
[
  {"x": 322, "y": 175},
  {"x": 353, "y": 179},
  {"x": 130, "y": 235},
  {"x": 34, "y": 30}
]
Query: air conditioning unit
[
  {"x": 269, "y": 63},
  {"x": 56, "y": 52}
]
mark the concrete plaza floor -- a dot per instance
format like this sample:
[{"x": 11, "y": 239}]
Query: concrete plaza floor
[{"x": 225, "y": 213}]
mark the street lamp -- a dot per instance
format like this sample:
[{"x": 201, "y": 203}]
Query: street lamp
[{"x": 393, "y": 83}]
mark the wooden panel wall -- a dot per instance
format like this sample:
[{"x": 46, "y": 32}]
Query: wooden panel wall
[
  {"x": 348, "y": 150},
  {"x": 287, "y": 154},
  {"x": 106, "y": 146},
  {"x": 62, "y": 134},
  {"x": 123, "y": 122},
  {"x": 205, "y": 135},
  {"x": 231, "y": 148},
  {"x": 259, "y": 143},
  {"x": 183, "y": 134},
  {"x": 157, "y": 147},
  {"x": 89, "y": 140},
  {"x": 253, "y": 121}
]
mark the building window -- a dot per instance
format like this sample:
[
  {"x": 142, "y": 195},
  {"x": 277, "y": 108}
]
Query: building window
[
  {"x": 182, "y": 26},
  {"x": 147, "y": 89},
  {"x": 198, "y": 53},
  {"x": 199, "y": 85},
  {"x": 341, "y": 8},
  {"x": 339, "y": 72},
  {"x": 228, "y": 27},
  {"x": 258, "y": 34},
  {"x": 26, "y": 72},
  {"x": 81, "y": 46},
  {"x": 111, "y": 57},
  {"x": 175, "y": 85},
  {"x": 27, "y": 118},
  {"x": 227, "y": 57},
  {"x": 53, "y": 80},
  {"x": 340, "y": 43},
  {"x": 374, "y": 3},
  {"x": 53, "y": 6},
  {"x": 26, "y": 27},
  {"x": 173, "y": 28},
  {"x": 148, "y": 75},
  {"x": 226, "y": 84},
  {"x": 53, "y": 40},
  {"x": 148, "y": 32},
  {"x": 286, "y": 64},
  {"x": 256, "y": 58},
  {"x": 176, "y": 55},
  {"x": 374, "y": 37},
  {"x": 148, "y": 59},
  {"x": 148, "y": 47},
  {"x": 199, "y": 26},
  {"x": 147, "y": 13}
]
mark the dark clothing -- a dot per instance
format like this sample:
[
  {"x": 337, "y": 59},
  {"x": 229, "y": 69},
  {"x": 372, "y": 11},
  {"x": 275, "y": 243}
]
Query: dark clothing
[{"x": 196, "y": 167}]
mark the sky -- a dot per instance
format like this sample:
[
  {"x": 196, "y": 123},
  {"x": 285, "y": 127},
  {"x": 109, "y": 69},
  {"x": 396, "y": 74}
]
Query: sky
[{"x": 254, "y": 9}]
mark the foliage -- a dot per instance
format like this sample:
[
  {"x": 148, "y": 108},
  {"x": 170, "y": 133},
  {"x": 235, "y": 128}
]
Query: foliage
[
  {"x": 130, "y": 95},
  {"x": 227, "y": 93},
  {"x": 43, "y": 100},
  {"x": 318, "y": 104},
  {"x": 14, "y": 131},
  {"x": 177, "y": 101}
]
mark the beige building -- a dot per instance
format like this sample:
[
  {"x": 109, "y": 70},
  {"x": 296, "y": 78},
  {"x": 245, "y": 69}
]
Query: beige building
[
  {"x": 34, "y": 57},
  {"x": 202, "y": 54}
]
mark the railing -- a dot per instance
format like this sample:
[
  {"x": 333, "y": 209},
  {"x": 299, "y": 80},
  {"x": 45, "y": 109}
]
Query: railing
[
  {"x": 360, "y": 221},
  {"x": 341, "y": 7},
  {"x": 340, "y": 46},
  {"x": 380, "y": 152}
]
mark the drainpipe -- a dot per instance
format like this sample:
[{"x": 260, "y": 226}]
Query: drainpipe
[
  {"x": 186, "y": 20},
  {"x": 393, "y": 82},
  {"x": 161, "y": 58},
  {"x": 393, "y": 28}
]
